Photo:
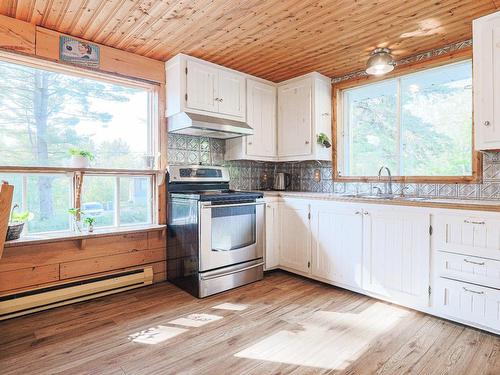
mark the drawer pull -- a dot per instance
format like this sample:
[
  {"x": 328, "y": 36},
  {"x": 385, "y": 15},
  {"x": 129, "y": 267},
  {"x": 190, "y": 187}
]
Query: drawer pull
[
  {"x": 472, "y": 291},
  {"x": 478, "y": 263},
  {"x": 474, "y": 222}
]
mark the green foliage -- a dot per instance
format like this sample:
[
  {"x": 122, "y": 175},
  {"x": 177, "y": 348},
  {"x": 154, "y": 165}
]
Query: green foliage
[
  {"x": 20, "y": 217},
  {"x": 89, "y": 221},
  {"x": 74, "y": 151},
  {"x": 75, "y": 211},
  {"x": 324, "y": 140}
]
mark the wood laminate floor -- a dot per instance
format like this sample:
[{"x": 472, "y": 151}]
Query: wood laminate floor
[{"x": 290, "y": 325}]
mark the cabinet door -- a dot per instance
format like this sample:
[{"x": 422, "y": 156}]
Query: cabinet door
[
  {"x": 486, "y": 88},
  {"x": 272, "y": 236},
  {"x": 261, "y": 116},
  {"x": 295, "y": 238},
  {"x": 468, "y": 233},
  {"x": 202, "y": 87},
  {"x": 469, "y": 302},
  {"x": 231, "y": 94},
  {"x": 337, "y": 247},
  {"x": 396, "y": 250},
  {"x": 295, "y": 118}
]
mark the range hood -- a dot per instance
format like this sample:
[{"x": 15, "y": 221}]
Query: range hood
[{"x": 202, "y": 125}]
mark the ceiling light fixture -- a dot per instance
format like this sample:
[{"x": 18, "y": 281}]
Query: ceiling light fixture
[{"x": 380, "y": 62}]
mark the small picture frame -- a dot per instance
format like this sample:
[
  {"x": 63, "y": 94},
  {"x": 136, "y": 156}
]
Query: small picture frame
[{"x": 77, "y": 52}]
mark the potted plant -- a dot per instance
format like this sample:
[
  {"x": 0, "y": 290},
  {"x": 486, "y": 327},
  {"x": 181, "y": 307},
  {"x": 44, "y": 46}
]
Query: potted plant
[
  {"x": 80, "y": 158},
  {"x": 324, "y": 141},
  {"x": 16, "y": 223},
  {"x": 77, "y": 215},
  {"x": 90, "y": 221}
]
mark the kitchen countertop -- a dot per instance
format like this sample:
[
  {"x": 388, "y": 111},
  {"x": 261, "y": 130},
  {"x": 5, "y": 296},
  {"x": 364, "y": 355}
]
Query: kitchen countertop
[{"x": 469, "y": 204}]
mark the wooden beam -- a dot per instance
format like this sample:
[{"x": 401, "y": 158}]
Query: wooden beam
[{"x": 17, "y": 35}]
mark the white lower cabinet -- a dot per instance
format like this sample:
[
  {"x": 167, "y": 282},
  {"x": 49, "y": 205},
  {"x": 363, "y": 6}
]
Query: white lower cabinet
[
  {"x": 468, "y": 302},
  {"x": 396, "y": 252},
  {"x": 385, "y": 251},
  {"x": 272, "y": 252},
  {"x": 337, "y": 232},
  {"x": 295, "y": 238}
]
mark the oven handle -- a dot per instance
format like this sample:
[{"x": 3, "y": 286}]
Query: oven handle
[
  {"x": 213, "y": 276},
  {"x": 204, "y": 205}
]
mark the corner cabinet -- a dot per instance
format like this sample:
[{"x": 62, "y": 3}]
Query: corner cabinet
[
  {"x": 205, "y": 88},
  {"x": 261, "y": 116},
  {"x": 486, "y": 54},
  {"x": 304, "y": 111}
]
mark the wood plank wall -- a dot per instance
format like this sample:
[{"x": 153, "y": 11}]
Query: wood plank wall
[
  {"x": 23, "y": 37},
  {"x": 31, "y": 266}
]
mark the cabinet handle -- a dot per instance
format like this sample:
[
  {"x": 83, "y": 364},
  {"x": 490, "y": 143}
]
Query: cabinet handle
[
  {"x": 474, "y": 222},
  {"x": 307, "y": 142},
  {"x": 249, "y": 143},
  {"x": 366, "y": 213},
  {"x": 472, "y": 291},
  {"x": 220, "y": 100},
  {"x": 325, "y": 114},
  {"x": 357, "y": 213},
  {"x": 487, "y": 123},
  {"x": 470, "y": 261}
]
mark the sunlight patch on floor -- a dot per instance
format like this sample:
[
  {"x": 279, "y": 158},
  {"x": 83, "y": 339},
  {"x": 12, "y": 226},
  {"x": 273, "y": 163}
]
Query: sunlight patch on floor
[
  {"x": 196, "y": 320},
  {"x": 230, "y": 306},
  {"x": 155, "y": 335},
  {"x": 329, "y": 340}
]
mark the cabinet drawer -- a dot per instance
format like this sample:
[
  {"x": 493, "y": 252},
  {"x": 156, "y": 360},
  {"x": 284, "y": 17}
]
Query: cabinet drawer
[
  {"x": 470, "y": 269},
  {"x": 474, "y": 235},
  {"x": 468, "y": 302}
]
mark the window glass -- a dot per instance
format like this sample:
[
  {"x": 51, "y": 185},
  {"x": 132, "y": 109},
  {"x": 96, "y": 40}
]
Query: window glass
[
  {"x": 98, "y": 199},
  {"x": 371, "y": 115},
  {"x": 47, "y": 197},
  {"x": 417, "y": 125},
  {"x": 45, "y": 113},
  {"x": 135, "y": 205},
  {"x": 436, "y": 122}
]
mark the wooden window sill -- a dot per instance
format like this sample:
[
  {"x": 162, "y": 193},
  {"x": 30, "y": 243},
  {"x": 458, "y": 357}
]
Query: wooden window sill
[{"x": 70, "y": 235}]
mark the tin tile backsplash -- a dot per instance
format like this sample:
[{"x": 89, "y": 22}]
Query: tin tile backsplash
[{"x": 253, "y": 175}]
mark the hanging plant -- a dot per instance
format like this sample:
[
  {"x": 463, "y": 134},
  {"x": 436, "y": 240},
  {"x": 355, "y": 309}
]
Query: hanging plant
[{"x": 323, "y": 140}]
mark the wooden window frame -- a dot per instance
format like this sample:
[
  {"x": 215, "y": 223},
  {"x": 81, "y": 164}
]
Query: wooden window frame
[
  {"x": 477, "y": 160},
  {"x": 155, "y": 138}
]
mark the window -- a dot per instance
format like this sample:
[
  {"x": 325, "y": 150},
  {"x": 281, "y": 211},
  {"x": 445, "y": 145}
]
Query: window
[
  {"x": 46, "y": 196},
  {"x": 117, "y": 200},
  {"x": 418, "y": 124},
  {"x": 47, "y": 110},
  {"x": 45, "y": 113}
]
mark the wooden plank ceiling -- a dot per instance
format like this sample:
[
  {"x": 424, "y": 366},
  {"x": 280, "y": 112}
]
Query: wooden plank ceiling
[{"x": 273, "y": 39}]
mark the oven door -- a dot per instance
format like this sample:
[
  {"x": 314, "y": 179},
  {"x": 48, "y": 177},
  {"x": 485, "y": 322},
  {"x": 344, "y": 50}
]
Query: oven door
[{"x": 230, "y": 233}]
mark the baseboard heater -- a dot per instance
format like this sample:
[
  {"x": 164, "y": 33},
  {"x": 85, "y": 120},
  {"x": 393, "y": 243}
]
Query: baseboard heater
[{"x": 63, "y": 294}]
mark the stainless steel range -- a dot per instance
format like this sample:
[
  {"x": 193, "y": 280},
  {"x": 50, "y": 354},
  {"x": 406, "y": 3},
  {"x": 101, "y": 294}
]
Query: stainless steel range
[{"x": 216, "y": 235}]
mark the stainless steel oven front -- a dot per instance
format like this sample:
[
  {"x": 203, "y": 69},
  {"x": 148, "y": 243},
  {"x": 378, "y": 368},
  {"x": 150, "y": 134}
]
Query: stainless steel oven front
[{"x": 230, "y": 233}]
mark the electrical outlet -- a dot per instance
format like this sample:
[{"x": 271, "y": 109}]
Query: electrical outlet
[{"x": 317, "y": 175}]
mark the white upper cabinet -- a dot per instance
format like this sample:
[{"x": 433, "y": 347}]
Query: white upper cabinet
[
  {"x": 231, "y": 93},
  {"x": 304, "y": 111},
  {"x": 295, "y": 119},
  {"x": 205, "y": 88},
  {"x": 261, "y": 116},
  {"x": 486, "y": 52},
  {"x": 202, "y": 86}
]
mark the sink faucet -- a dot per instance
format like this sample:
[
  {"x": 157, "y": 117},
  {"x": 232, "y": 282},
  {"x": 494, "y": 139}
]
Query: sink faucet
[{"x": 388, "y": 185}]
